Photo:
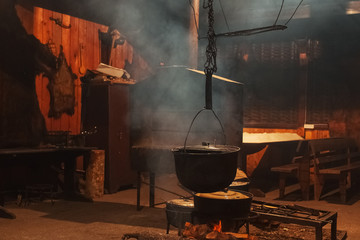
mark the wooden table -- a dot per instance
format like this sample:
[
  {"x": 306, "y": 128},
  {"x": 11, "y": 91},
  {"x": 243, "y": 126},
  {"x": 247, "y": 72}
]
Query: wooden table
[
  {"x": 66, "y": 155},
  {"x": 250, "y": 147},
  {"x": 153, "y": 159}
]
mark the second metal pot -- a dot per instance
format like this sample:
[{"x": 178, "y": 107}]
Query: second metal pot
[{"x": 231, "y": 204}]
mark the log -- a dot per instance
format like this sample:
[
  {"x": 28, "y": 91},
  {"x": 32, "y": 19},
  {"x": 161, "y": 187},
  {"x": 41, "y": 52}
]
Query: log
[{"x": 95, "y": 171}]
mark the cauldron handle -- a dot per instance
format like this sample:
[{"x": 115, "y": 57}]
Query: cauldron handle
[{"x": 192, "y": 122}]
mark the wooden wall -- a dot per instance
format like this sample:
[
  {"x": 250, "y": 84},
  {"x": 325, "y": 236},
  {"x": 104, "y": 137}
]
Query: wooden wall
[{"x": 82, "y": 48}]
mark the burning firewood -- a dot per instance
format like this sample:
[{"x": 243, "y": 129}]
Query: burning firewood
[
  {"x": 196, "y": 231},
  {"x": 219, "y": 236},
  {"x": 210, "y": 232}
]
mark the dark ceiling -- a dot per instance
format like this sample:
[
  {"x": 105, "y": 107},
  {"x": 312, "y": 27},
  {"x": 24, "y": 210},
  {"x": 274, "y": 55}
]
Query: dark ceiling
[
  {"x": 155, "y": 28},
  {"x": 159, "y": 28}
]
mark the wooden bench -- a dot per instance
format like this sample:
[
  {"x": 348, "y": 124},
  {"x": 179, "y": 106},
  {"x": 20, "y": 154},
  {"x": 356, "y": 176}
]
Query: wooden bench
[
  {"x": 291, "y": 169},
  {"x": 333, "y": 158},
  {"x": 285, "y": 171}
]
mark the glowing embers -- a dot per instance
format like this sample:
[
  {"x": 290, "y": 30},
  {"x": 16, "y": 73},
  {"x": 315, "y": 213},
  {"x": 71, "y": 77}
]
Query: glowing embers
[{"x": 211, "y": 231}]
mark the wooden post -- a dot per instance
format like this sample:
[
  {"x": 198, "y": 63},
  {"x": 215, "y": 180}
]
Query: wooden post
[
  {"x": 303, "y": 80},
  {"x": 193, "y": 33},
  {"x": 304, "y": 172}
]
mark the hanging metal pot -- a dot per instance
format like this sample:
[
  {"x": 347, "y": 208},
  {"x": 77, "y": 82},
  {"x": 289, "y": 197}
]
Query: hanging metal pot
[{"x": 206, "y": 168}]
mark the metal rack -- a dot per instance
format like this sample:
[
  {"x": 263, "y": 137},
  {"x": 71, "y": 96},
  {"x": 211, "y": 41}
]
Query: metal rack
[{"x": 298, "y": 215}]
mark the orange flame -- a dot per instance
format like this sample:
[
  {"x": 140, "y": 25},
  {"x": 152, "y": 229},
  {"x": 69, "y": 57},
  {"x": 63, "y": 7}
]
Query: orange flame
[{"x": 217, "y": 227}]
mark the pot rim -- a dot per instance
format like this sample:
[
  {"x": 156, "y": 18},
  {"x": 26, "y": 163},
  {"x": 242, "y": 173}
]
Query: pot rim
[
  {"x": 249, "y": 195},
  {"x": 201, "y": 150}
]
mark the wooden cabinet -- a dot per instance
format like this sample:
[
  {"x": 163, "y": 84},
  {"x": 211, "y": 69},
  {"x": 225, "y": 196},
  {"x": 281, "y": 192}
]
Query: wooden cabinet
[{"x": 106, "y": 107}]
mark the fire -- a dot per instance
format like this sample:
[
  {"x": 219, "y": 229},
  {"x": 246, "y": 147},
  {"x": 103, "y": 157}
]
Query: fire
[
  {"x": 211, "y": 232},
  {"x": 217, "y": 227}
]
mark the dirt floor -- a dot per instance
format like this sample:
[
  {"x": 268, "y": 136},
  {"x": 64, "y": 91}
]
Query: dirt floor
[
  {"x": 112, "y": 216},
  {"x": 291, "y": 232}
]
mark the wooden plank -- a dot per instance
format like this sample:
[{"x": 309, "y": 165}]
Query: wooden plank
[
  {"x": 75, "y": 66},
  {"x": 38, "y": 33},
  {"x": 334, "y": 144},
  {"x": 126, "y": 51},
  {"x": 38, "y": 16},
  {"x": 121, "y": 62},
  {"x": 65, "y": 42},
  {"x": 330, "y": 152},
  {"x": 76, "y": 60},
  {"x": 193, "y": 33},
  {"x": 332, "y": 158},
  {"x": 90, "y": 64},
  {"x": 97, "y": 46},
  {"x": 56, "y": 35},
  {"x": 82, "y": 48},
  {"x": 103, "y": 55},
  {"x": 340, "y": 169},
  {"x": 269, "y": 130},
  {"x": 130, "y": 55},
  {"x": 288, "y": 168},
  {"x": 316, "y": 134},
  {"x": 47, "y": 38}
]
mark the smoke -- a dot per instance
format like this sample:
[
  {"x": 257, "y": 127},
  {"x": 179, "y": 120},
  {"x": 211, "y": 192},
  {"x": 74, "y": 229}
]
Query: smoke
[
  {"x": 157, "y": 29},
  {"x": 164, "y": 106}
]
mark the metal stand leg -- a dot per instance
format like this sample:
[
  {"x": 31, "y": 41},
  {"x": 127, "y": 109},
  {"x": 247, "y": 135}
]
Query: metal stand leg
[
  {"x": 138, "y": 188},
  {"x": 247, "y": 227},
  {"x": 152, "y": 190},
  {"x": 318, "y": 233},
  {"x": 167, "y": 228},
  {"x": 333, "y": 227}
]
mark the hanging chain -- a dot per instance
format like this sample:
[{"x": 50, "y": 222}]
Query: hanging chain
[
  {"x": 210, "y": 68},
  {"x": 210, "y": 64}
]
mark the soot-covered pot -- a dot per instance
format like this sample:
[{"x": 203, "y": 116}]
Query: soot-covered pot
[
  {"x": 230, "y": 203},
  {"x": 206, "y": 168}
]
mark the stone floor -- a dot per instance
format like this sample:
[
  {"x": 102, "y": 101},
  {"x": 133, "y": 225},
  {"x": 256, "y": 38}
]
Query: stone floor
[{"x": 113, "y": 215}]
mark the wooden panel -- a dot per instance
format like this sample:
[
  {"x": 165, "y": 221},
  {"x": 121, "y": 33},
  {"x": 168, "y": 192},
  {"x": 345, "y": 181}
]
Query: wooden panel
[
  {"x": 81, "y": 46},
  {"x": 97, "y": 47},
  {"x": 253, "y": 161},
  {"x": 38, "y": 32},
  {"x": 56, "y": 38},
  {"x": 269, "y": 130},
  {"x": 90, "y": 45},
  {"x": 65, "y": 43},
  {"x": 46, "y": 37},
  {"x": 74, "y": 61},
  {"x": 316, "y": 134}
]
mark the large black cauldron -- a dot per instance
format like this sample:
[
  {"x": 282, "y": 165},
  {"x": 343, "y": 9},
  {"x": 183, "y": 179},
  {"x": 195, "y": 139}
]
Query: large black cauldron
[{"x": 206, "y": 168}]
